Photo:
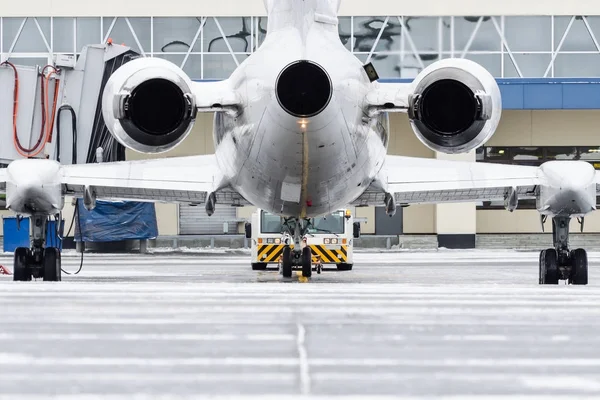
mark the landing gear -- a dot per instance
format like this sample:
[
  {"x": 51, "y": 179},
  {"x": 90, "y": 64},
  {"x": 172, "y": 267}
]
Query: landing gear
[
  {"x": 560, "y": 262},
  {"x": 38, "y": 261},
  {"x": 301, "y": 254}
]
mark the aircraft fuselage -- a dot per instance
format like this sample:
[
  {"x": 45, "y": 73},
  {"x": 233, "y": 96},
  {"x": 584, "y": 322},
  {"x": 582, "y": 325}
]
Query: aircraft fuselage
[{"x": 301, "y": 166}]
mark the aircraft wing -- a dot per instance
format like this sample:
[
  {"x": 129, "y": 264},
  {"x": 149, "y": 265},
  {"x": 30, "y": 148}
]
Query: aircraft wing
[
  {"x": 178, "y": 179},
  {"x": 420, "y": 180}
]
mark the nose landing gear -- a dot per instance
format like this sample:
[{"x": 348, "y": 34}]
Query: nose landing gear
[
  {"x": 291, "y": 259},
  {"x": 301, "y": 254}
]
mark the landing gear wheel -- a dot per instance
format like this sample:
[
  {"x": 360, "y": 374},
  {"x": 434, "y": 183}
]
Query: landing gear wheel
[
  {"x": 541, "y": 268},
  {"x": 51, "y": 262},
  {"x": 259, "y": 266},
  {"x": 579, "y": 267},
  {"x": 549, "y": 273},
  {"x": 306, "y": 262},
  {"x": 344, "y": 267},
  {"x": 286, "y": 262},
  {"x": 21, "y": 271}
]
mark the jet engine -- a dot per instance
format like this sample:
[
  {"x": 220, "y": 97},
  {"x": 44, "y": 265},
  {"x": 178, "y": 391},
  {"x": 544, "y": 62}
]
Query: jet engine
[
  {"x": 455, "y": 106},
  {"x": 148, "y": 105}
]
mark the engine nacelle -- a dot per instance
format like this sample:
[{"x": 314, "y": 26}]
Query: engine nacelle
[
  {"x": 455, "y": 106},
  {"x": 148, "y": 105}
]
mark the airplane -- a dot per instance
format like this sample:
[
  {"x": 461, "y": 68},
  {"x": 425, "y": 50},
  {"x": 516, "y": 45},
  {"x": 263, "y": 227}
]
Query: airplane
[{"x": 301, "y": 129}]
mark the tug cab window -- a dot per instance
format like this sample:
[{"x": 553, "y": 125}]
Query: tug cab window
[
  {"x": 270, "y": 223},
  {"x": 333, "y": 223}
]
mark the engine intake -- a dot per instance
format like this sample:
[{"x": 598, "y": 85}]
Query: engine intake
[
  {"x": 148, "y": 105},
  {"x": 455, "y": 106}
]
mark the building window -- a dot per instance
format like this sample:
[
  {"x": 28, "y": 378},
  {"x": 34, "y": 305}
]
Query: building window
[
  {"x": 533, "y": 156},
  {"x": 399, "y": 46}
]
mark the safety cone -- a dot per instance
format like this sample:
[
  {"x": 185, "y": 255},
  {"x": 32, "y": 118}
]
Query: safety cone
[{"x": 4, "y": 271}]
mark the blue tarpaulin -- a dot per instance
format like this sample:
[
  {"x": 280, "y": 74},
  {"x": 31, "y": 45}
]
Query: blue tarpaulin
[
  {"x": 53, "y": 236},
  {"x": 112, "y": 221}
]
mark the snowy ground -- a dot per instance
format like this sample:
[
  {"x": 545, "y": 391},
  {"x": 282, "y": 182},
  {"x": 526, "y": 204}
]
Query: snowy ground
[{"x": 405, "y": 325}]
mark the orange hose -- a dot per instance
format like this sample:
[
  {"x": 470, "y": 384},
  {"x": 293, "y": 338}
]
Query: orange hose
[
  {"x": 18, "y": 145},
  {"x": 46, "y": 131},
  {"x": 55, "y": 102}
]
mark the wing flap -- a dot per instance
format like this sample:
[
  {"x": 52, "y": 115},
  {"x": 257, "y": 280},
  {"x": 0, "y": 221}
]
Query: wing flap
[
  {"x": 224, "y": 196},
  {"x": 421, "y": 180},
  {"x": 180, "y": 179}
]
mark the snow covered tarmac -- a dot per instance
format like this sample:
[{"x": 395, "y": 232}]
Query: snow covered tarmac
[{"x": 416, "y": 325}]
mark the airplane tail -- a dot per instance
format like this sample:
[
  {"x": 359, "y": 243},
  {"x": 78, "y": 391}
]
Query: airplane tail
[
  {"x": 331, "y": 4},
  {"x": 284, "y": 13}
]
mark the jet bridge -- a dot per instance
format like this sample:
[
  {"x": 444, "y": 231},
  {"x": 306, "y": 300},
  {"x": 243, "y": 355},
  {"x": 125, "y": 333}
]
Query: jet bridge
[{"x": 54, "y": 111}]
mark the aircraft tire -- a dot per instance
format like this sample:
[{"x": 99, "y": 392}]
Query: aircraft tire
[
  {"x": 579, "y": 267},
  {"x": 306, "y": 262},
  {"x": 21, "y": 271},
  {"x": 541, "y": 268},
  {"x": 52, "y": 272},
  {"x": 549, "y": 267},
  {"x": 286, "y": 262}
]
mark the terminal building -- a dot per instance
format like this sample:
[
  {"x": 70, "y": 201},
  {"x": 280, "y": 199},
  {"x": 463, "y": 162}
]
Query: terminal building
[{"x": 545, "y": 58}]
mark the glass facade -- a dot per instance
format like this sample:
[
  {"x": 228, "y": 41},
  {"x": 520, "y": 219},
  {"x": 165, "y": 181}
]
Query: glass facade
[{"x": 399, "y": 47}]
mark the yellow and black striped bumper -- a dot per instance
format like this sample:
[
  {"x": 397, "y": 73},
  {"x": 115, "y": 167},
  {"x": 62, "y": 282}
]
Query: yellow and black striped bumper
[
  {"x": 269, "y": 252},
  {"x": 326, "y": 254},
  {"x": 329, "y": 254}
]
